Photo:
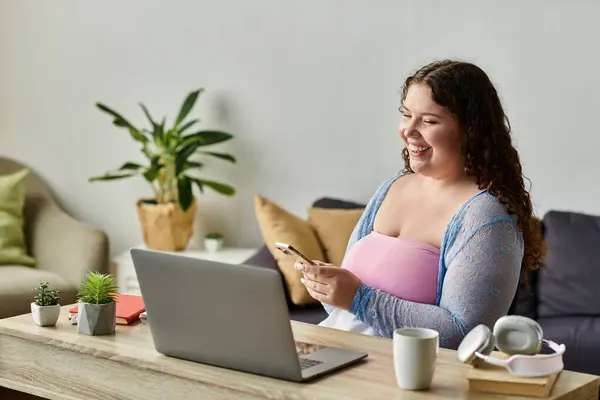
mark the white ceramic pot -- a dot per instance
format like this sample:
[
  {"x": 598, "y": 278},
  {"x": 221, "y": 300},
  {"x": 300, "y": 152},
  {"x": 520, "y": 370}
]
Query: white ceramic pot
[
  {"x": 213, "y": 245},
  {"x": 45, "y": 315}
]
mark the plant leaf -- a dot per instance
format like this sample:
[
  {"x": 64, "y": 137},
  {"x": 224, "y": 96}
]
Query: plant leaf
[
  {"x": 156, "y": 128},
  {"x": 131, "y": 166},
  {"x": 193, "y": 164},
  {"x": 111, "y": 177},
  {"x": 187, "y": 125},
  {"x": 206, "y": 138},
  {"x": 147, "y": 152},
  {"x": 120, "y": 121},
  {"x": 148, "y": 114},
  {"x": 184, "y": 187},
  {"x": 198, "y": 183},
  {"x": 187, "y": 105},
  {"x": 222, "y": 156},
  {"x": 183, "y": 155},
  {"x": 160, "y": 129},
  {"x": 139, "y": 136},
  {"x": 189, "y": 165},
  {"x": 118, "y": 118},
  {"x": 219, "y": 187},
  {"x": 172, "y": 139},
  {"x": 97, "y": 288},
  {"x": 150, "y": 173}
]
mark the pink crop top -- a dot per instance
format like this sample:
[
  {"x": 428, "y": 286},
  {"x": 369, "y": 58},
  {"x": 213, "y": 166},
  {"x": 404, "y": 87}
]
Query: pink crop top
[{"x": 404, "y": 268}]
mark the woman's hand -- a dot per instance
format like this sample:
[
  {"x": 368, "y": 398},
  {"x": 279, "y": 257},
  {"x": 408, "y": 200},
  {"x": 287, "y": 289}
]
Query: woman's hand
[{"x": 329, "y": 284}]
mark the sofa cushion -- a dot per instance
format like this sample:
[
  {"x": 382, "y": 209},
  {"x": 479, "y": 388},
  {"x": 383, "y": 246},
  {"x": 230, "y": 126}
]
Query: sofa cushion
[
  {"x": 262, "y": 258},
  {"x": 331, "y": 202},
  {"x": 18, "y": 285},
  {"x": 334, "y": 227},
  {"x": 567, "y": 284},
  {"x": 12, "y": 236},
  {"x": 581, "y": 336},
  {"x": 279, "y": 225}
]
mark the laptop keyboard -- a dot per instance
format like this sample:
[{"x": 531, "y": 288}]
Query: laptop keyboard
[{"x": 307, "y": 362}]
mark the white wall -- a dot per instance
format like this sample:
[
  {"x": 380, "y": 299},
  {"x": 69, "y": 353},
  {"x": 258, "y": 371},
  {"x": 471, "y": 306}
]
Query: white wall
[{"x": 309, "y": 88}]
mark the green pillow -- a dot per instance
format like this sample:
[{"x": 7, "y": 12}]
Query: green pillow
[{"x": 12, "y": 237}]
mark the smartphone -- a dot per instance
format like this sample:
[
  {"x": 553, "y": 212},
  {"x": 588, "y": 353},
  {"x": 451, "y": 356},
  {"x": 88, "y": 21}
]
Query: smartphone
[{"x": 291, "y": 250}]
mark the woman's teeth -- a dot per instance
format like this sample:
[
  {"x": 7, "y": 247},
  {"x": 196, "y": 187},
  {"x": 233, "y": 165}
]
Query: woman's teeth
[{"x": 417, "y": 149}]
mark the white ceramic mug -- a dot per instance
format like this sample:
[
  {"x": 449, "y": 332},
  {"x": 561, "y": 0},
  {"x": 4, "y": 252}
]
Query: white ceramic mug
[{"x": 415, "y": 355}]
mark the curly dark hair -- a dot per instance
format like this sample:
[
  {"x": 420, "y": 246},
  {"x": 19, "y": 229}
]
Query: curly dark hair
[{"x": 488, "y": 153}]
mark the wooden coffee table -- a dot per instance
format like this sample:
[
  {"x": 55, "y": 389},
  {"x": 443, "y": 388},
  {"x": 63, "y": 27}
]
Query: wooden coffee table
[{"x": 59, "y": 363}]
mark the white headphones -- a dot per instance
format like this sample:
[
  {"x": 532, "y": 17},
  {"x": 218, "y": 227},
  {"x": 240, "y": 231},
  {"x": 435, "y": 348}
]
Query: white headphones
[{"x": 519, "y": 337}]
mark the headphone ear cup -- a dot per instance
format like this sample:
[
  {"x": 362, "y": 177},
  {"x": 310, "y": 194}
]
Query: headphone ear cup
[
  {"x": 516, "y": 334},
  {"x": 490, "y": 347},
  {"x": 478, "y": 362},
  {"x": 540, "y": 332},
  {"x": 478, "y": 340}
]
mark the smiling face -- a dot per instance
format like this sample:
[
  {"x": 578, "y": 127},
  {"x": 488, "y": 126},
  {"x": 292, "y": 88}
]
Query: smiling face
[{"x": 431, "y": 134}]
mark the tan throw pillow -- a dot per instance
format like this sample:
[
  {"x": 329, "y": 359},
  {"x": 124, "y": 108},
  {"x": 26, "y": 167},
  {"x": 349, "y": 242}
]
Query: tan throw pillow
[
  {"x": 334, "y": 227},
  {"x": 279, "y": 225}
]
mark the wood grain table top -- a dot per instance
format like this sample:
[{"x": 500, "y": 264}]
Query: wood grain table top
[{"x": 59, "y": 363}]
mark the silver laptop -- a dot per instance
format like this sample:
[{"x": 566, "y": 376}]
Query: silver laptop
[{"x": 226, "y": 315}]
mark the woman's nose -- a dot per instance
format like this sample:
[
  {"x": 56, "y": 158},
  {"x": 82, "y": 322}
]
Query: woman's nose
[{"x": 410, "y": 130}]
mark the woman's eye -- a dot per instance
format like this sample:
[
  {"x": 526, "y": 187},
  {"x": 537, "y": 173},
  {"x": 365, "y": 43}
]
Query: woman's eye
[
  {"x": 430, "y": 122},
  {"x": 405, "y": 115}
]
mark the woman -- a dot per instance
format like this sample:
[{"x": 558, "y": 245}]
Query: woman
[{"x": 441, "y": 245}]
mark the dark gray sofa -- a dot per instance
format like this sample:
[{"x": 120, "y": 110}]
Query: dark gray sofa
[{"x": 563, "y": 296}]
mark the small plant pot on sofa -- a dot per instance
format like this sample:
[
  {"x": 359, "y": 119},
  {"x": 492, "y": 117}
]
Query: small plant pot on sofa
[
  {"x": 45, "y": 315},
  {"x": 96, "y": 319}
]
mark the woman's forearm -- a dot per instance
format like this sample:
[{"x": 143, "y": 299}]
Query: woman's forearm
[{"x": 386, "y": 313}]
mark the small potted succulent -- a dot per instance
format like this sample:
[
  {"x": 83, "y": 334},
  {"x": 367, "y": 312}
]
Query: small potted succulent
[
  {"x": 45, "y": 308},
  {"x": 213, "y": 241},
  {"x": 96, "y": 308}
]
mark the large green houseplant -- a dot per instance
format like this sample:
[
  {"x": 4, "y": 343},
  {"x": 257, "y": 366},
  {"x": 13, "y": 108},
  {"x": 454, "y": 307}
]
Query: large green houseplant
[{"x": 167, "y": 218}]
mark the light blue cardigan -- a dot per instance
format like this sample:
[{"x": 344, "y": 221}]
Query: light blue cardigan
[{"x": 480, "y": 263}]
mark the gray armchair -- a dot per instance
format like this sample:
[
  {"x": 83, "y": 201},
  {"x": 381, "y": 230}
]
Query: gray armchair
[{"x": 65, "y": 249}]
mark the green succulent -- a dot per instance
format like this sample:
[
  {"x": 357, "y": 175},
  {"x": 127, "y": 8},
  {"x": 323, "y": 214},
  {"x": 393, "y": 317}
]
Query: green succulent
[
  {"x": 46, "y": 296},
  {"x": 97, "y": 288}
]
